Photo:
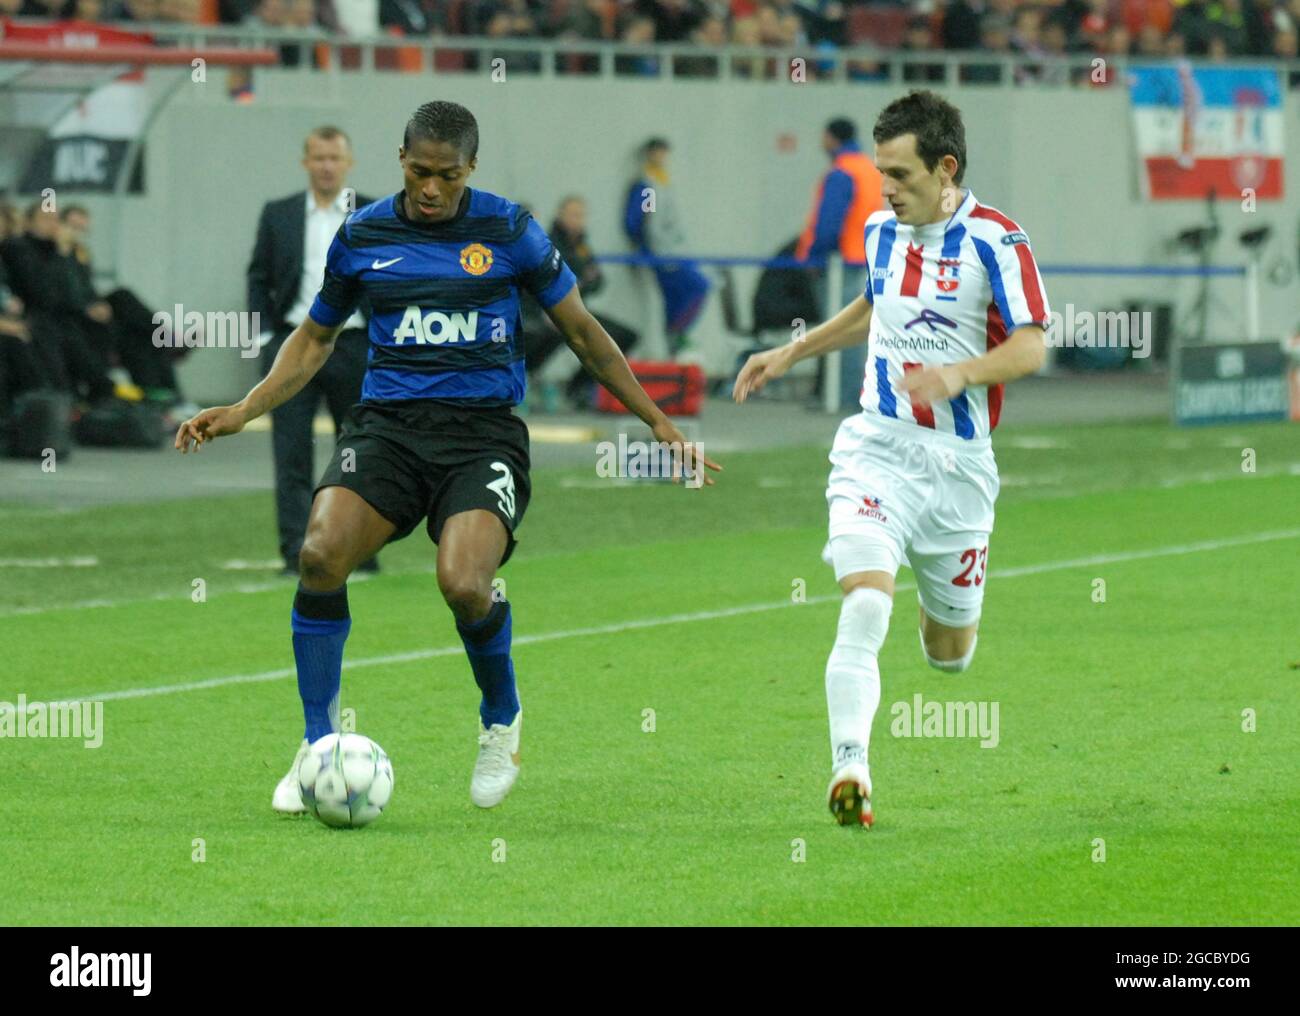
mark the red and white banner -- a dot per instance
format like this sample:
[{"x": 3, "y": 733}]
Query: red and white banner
[{"x": 1208, "y": 129}]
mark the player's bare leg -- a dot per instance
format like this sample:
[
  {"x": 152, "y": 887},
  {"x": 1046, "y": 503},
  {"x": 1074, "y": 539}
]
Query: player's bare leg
[
  {"x": 470, "y": 548},
  {"x": 946, "y": 648},
  {"x": 342, "y": 531},
  {"x": 853, "y": 691}
]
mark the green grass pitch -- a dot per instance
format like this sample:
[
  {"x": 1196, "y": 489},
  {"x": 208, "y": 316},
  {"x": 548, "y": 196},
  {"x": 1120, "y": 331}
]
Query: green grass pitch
[{"x": 1121, "y": 722}]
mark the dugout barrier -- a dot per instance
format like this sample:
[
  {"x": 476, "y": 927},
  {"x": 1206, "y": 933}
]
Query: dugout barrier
[{"x": 1181, "y": 331}]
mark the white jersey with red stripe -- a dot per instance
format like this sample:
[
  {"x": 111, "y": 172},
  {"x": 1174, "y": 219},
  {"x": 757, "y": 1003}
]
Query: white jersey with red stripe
[{"x": 940, "y": 293}]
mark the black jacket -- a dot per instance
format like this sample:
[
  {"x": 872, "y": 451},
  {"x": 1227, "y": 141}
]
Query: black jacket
[
  {"x": 577, "y": 254},
  {"x": 275, "y": 271},
  {"x": 44, "y": 279}
]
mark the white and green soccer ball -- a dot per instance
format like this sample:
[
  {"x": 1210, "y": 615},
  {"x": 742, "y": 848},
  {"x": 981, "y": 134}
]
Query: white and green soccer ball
[{"x": 346, "y": 780}]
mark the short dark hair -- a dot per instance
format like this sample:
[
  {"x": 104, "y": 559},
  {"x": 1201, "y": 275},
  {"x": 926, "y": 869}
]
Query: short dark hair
[
  {"x": 936, "y": 123},
  {"x": 326, "y": 132},
  {"x": 842, "y": 129},
  {"x": 653, "y": 144},
  {"x": 444, "y": 121}
]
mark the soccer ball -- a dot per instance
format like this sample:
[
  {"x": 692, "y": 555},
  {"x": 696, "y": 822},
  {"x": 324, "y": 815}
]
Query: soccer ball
[{"x": 346, "y": 780}]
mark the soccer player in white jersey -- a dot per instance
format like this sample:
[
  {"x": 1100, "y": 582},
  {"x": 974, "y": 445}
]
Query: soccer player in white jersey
[{"x": 954, "y": 307}]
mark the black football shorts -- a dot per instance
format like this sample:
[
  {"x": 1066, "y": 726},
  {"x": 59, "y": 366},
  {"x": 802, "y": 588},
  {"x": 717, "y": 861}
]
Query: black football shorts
[{"x": 421, "y": 459}]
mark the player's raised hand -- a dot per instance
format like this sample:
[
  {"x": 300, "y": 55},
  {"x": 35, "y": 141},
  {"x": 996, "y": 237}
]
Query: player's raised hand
[
  {"x": 759, "y": 369},
  {"x": 687, "y": 457},
  {"x": 933, "y": 384},
  {"x": 210, "y": 423}
]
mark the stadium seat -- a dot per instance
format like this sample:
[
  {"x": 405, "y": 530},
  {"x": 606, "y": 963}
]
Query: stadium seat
[
  {"x": 877, "y": 23},
  {"x": 448, "y": 60}
]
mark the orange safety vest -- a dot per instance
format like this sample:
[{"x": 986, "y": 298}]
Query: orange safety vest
[{"x": 866, "y": 199}]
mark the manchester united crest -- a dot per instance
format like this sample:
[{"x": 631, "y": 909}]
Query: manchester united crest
[{"x": 476, "y": 259}]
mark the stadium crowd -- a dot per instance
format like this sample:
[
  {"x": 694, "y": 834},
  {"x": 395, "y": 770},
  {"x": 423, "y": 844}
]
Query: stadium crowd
[{"x": 1216, "y": 29}]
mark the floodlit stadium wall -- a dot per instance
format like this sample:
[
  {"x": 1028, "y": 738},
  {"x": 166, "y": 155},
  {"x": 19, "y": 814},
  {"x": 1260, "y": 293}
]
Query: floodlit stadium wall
[{"x": 1060, "y": 162}]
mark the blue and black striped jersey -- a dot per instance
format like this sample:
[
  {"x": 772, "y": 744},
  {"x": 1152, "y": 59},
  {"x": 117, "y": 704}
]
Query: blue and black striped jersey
[{"x": 444, "y": 297}]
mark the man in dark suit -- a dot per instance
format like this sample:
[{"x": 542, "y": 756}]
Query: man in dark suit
[{"x": 284, "y": 275}]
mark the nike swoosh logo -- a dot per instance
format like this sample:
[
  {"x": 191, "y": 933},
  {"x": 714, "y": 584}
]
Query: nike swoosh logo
[{"x": 384, "y": 264}]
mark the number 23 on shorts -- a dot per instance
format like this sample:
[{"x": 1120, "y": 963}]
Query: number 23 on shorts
[{"x": 972, "y": 558}]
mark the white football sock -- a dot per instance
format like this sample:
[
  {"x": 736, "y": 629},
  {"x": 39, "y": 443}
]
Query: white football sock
[{"x": 852, "y": 672}]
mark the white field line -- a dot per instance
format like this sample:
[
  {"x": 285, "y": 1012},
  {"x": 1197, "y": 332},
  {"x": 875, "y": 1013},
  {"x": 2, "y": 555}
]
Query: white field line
[
  {"x": 1034, "y": 443},
  {"x": 1175, "y": 550},
  {"x": 48, "y": 562},
  {"x": 1186, "y": 479},
  {"x": 286, "y": 582},
  {"x": 1169, "y": 483}
]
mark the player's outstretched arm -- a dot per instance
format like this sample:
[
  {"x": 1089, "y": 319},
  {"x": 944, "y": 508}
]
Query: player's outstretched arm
[
  {"x": 1022, "y": 353},
  {"x": 603, "y": 360},
  {"x": 847, "y": 328},
  {"x": 302, "y": 355}
]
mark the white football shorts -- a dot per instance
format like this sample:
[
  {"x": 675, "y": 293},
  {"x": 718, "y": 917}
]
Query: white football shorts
[{"x": 896, "y": 495}]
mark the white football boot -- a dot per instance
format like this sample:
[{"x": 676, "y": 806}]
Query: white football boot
[
  {"x": 849, "y": 795},
  {"x": 288, "y": 797},
  {"x": 497, "y": 767}
]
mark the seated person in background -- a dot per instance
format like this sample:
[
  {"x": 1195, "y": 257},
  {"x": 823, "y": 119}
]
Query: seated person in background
[
  {"x": 124, "y": 326},
  {"x": 19, "y": 371},
  {"x": 140, "y": 10},
  {"x": 91, "y": 10},
  {"x": 59, "y": 316},
  {"x": 10, "y": 223},
  {"x": 183, "y": 12},
  {"x": 298, "y": 17},
  {"x": 42, "y": 9},
  {"x": 233, "y": 12},
  {"x": 413, "y": 17},
  {"x": 509, "y": 19},
  {"x": 11, "y": 310},
  {"x": 569, "y": 234},
  {"x": 637, "y": 31}
]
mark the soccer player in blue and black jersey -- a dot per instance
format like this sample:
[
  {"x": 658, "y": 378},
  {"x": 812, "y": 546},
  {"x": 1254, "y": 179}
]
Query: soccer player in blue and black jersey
[{"x": 433, "y": 437}]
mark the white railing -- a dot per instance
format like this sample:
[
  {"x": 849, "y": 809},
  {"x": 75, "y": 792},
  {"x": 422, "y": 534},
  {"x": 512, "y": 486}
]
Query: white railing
[{"x": 662, "y": 61}]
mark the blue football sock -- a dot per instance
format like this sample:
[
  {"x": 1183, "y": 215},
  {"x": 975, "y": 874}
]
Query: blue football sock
[
  {"x": 320, "y": 627},
  {"x": 487, "y": 644}
]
